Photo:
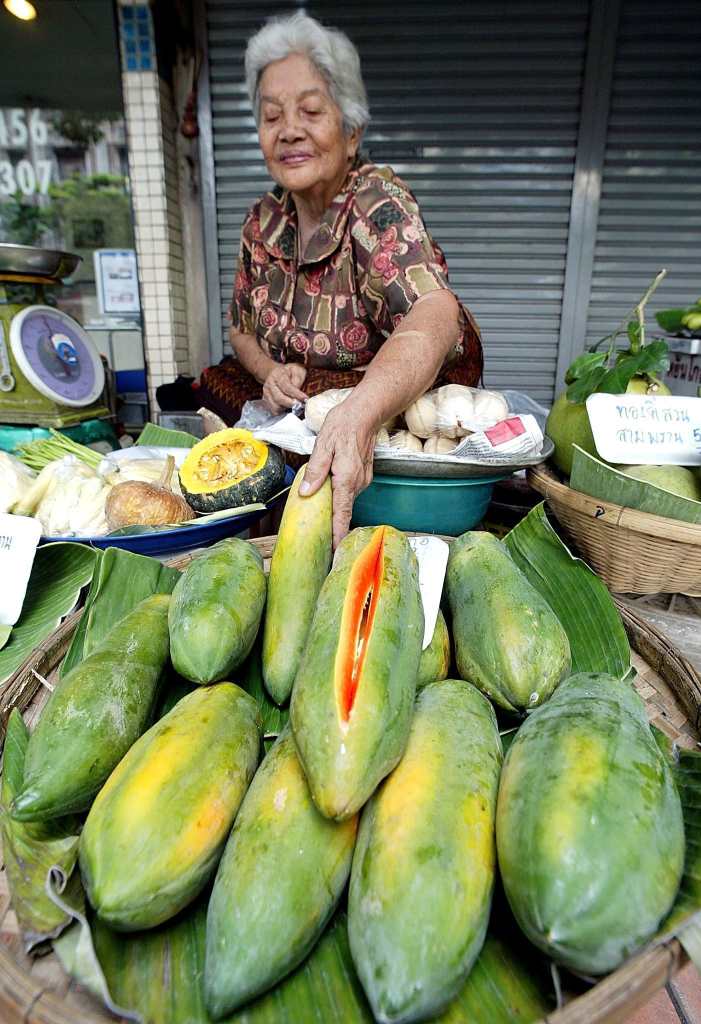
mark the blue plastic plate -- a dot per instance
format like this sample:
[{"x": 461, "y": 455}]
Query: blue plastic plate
[{"x": 181, "y": 538}]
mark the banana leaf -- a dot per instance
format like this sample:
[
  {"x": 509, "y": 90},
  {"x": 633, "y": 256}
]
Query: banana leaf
[
  {"x": 31, "y": 850},
  {"x": 251, "y": 679},
  {"x": 59, "y": 573},
  {"x": 576, "y": 594},
  {"x": 121, "y": 580},
  {"x": 597, "y": 479},
  {"x": 162, "y": 437},
  {"x": 157, "y": 975}
]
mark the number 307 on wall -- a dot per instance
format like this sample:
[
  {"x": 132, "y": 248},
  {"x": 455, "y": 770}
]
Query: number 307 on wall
[{"x": 26, "y": 176}]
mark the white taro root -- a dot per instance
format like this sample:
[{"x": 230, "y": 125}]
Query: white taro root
[
  {"x": 437, "y": 445},
  {"x": 405, "y": 441},
  {"x": 455, "y": 410},
  {"x": 490, "y": 407},
  {"x": 421, "y": 416},
  {"x": 382, "y": 436},
  {"x": 318, "y": 407}
]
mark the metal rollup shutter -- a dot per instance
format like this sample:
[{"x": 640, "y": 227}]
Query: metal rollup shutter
[
  {"x": 476, "y": 106},
  {"x": 650, "y": 212}
]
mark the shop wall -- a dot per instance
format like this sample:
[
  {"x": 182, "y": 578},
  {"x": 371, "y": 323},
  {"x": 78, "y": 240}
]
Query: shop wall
[{"x": 514, "y": 125}]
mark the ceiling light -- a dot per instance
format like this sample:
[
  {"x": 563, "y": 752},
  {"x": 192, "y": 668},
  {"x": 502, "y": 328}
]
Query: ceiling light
[{"x": 21, "y": 9}]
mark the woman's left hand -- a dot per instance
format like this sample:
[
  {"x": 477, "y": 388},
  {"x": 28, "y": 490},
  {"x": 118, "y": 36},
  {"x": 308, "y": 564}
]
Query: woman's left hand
[{"x": 344, "y": 448}]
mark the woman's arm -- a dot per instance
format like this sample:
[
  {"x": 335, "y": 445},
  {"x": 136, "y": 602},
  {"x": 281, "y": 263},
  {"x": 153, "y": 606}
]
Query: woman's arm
[
  {"x": 281, "y": 381},
  {"x": 404, "y": 368}
]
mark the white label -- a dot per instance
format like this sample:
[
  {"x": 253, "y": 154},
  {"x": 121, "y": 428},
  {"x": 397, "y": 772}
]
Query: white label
[
  {"x": 432, "y": 556},
  {"x": 19, "y": 536},
  {"x": 644, "y": 430},
  {"x": 117, "y": 281}
]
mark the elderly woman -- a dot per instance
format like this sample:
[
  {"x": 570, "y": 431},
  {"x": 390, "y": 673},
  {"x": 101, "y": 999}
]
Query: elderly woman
[{"x": 339, "y": 283}]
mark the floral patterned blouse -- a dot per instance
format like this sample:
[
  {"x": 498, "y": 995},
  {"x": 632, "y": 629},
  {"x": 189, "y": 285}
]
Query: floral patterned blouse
[{"x": 333, "y": 307}]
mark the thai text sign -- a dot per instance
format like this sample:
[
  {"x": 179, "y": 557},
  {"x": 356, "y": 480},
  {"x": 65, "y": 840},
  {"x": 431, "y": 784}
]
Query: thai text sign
[{"x": 646, "y": 430}]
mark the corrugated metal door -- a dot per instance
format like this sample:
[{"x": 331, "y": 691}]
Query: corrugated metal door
[
  {"x": 650, "y": 212},
  {"x": 476, "y": 106}
]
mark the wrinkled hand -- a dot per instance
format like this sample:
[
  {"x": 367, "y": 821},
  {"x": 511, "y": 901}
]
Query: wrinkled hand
[
  {"x": 282, "y": 387},
  {"x": 344, "y": 449}
]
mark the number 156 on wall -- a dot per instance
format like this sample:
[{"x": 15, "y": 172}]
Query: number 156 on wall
[{"x": 17, "y": 128}]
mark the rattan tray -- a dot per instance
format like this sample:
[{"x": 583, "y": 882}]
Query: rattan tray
[
  {"x": 633, "y": 552},
  {"x": 37, "y": 991}
]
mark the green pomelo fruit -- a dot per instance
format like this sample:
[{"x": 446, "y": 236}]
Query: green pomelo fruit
[{"x": 675, "y": 479}]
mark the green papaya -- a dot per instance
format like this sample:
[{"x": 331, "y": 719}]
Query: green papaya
[
  {"x": 216, "y": 610},
  {"x": 435, "y": 659},
  {"x": 300, "y": 564},
  {"x": 590, "y": 835},
  {"x": 423, "y": 868},
  {"x": 97, "y": 711},
  {"x": 281, "y": 876},
  {"x": 508, "y": 640},
  {"x": 354, "y": 692},
  {"x": 157, "y": 828}
]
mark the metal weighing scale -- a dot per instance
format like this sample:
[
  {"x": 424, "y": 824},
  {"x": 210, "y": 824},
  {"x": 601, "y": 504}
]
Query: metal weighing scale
[{"x": 51, "y": 373}]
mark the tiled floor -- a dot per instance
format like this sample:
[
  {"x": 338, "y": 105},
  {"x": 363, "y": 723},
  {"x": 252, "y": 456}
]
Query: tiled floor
[{"x": 680, "y": 1003}]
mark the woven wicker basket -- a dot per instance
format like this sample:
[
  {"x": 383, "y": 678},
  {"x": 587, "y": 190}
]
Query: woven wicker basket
[
  {"x": 37, "y": 990},
  {"x": 633, "y": 552}
]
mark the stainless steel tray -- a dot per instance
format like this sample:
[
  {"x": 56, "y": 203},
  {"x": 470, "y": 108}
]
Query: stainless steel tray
[
  {"x": 27, "y": 259},
  {"x": 407, "y": 465}
]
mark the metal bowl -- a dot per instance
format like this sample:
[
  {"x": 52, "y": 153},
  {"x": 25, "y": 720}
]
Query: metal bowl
[
  {"x": 408, "y": 465},
  {"x": 30, "y": 260}
]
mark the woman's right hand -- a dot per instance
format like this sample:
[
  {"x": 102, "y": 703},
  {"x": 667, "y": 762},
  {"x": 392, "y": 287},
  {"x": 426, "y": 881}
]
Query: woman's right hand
[{"x": 282, "y": 387}]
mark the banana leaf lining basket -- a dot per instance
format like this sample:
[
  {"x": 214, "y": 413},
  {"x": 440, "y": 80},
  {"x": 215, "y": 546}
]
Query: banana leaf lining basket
[
  {"x": 37, "y": 990},
  {"x": 633, "y": 552}
]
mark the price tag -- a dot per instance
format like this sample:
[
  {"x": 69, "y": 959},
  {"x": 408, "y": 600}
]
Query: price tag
[
  {"x": 432, "y": 556},
  {"x": 644, "y": 430},
  {"x": 19, "y": 536}
]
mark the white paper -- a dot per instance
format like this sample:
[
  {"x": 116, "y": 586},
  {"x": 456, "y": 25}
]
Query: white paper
[
  {"x": 19, "y": 537},
  {"x": 509, "y": 441},
  {"x": 432, "y": 556},
  {"x": 644, "y": 430}
]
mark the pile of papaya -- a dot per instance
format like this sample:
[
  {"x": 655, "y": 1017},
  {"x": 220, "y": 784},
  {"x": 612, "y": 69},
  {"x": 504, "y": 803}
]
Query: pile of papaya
[{"x": 388, "y": 787}]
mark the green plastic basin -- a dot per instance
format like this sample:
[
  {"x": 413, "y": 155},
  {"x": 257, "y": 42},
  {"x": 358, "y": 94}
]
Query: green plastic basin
[{"x": 425, "y": 505}]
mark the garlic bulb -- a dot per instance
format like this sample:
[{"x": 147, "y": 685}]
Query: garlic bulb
[
  {"x": 405, "y": 441},
  {"x": 318, "y": 407},
  {"x": 437, "y": 445},
  {"x": 490, "y": 407},
  {"x": 421, "y": 416},
  {"x": 382, "y": 436},
  {"x": 455, "y": 410}
]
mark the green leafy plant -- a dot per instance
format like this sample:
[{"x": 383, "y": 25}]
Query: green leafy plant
[
  {"x": 612, "y": 369},
  {"x": 22, "y": 221}
]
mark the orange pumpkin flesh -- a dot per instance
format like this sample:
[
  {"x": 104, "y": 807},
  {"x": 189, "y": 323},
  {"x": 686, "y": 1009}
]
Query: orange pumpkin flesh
[{"x": 359, "y": 609}]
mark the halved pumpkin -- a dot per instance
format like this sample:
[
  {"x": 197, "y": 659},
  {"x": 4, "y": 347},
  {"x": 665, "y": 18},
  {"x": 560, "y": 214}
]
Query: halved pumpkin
[{"x": 230, "y": 468}]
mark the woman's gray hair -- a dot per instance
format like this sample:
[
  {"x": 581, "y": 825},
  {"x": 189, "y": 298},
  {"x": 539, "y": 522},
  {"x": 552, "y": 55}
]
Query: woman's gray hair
[{"x": 330, "y": 51}]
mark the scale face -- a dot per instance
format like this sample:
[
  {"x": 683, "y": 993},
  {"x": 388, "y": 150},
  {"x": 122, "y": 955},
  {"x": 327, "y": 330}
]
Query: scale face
[{"x": 57, "y": 356}]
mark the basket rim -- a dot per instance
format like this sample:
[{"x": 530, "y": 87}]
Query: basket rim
[
  {"x": 25, "y": 999},
  {"x": 543, "y": 479}
]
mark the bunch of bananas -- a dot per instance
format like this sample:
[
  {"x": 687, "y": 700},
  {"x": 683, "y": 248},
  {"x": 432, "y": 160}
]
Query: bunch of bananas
[{"x": 692, "y": 317}]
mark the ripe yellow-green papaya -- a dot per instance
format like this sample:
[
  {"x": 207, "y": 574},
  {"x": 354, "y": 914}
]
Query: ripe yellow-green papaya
[
  {"x": 281, "y": 876},
  {"x": 97, "y": 711},
  {"x": 435, "y": 659},
  {"x": 157, "y": 829},
  {"x": 423, "y": 868},
  {"x": 508, "y": 640},
  {"x": 299, "y": 566},
  {"x": 354, "y": 692}
]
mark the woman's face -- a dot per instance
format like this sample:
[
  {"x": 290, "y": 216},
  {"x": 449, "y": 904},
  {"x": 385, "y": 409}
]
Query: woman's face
[{"x": 301, "y": 129}]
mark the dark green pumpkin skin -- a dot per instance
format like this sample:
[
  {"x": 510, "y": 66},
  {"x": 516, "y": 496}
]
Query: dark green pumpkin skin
[
  {"x": 344, "y": 762},
  {"x": 508, "y": 641},
  {"x": 259, "y": 486},
  {"x": 215, "y": 611},
  {"x": 424, "y": 864},
  {"x": 95, "y": 714},
  {"x": 590, "y": 834}
]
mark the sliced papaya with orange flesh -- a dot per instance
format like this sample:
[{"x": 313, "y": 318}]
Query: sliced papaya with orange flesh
[
  {"x": 354, "y": 692},
  {"x": 357, "y": 620}
]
